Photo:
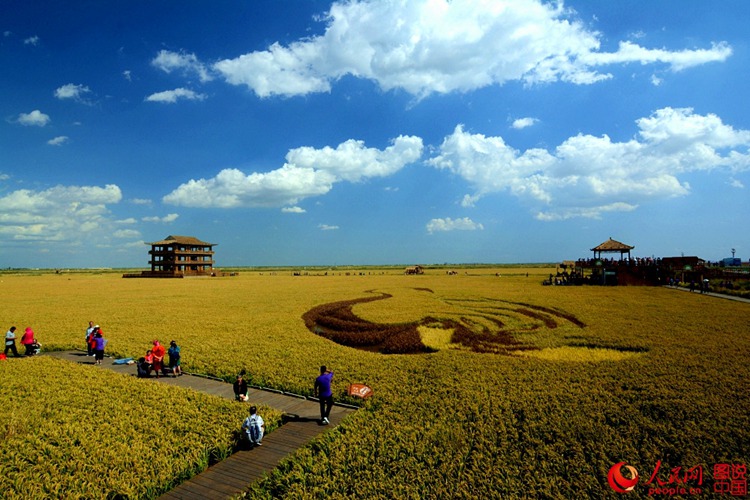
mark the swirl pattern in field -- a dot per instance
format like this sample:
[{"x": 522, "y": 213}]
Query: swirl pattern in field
[{"x": 484, "y": 325}]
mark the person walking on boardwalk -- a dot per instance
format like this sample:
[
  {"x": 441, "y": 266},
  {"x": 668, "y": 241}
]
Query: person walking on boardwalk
[
  {"x": 323, "y": 392},
  {"x": 10, "y": 342}
]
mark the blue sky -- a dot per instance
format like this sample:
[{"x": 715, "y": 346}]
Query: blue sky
[{"x": 315, "y": 133}]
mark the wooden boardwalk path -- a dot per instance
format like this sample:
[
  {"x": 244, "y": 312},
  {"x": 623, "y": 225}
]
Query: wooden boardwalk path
[{"x": 232, "y": 476}]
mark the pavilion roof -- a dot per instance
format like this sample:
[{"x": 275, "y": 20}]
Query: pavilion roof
[
  {"x": 183, "y": 240},
  {"x": 612, "y": 246}
]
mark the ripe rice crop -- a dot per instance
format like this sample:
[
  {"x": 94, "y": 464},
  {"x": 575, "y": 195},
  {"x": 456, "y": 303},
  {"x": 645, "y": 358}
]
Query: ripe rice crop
[
  {"x": 74, "y": 431},
  {"x": 471, "y": 419}
]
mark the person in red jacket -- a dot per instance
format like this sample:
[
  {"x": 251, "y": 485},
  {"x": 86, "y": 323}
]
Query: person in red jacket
[{"x": 159, "y": 352}]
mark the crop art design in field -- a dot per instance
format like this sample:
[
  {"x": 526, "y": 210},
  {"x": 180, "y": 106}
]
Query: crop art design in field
[{"x": 480, "y": 325}]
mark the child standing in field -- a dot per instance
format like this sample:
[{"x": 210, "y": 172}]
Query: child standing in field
[{"x": 174, "y": 358}]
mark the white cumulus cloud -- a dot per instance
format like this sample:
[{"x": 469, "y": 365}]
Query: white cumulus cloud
[
  {"x": 439, "y": 46},
  {"x": 34, "y": 119},
  {"x": 307, "y": 172},
  {"x": 189, "y": 64},
  {"x": 448, "y": 224},
  {"x": 520, "y": 123},
  {"x": 72, "y": 214},
  {"x": 166, "y": 219},
  {"x": 293, "y": 210},
  {"x": 126, "y": 233},
  {"x": 587, "y": 176},
  {"x": 58, "y": 141},
  {"x": 172, "y": 96},
  {"x": 72, "y": 91}
]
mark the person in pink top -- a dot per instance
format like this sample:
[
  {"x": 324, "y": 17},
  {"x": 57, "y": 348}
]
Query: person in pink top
[{"x": 28, "y": 341}]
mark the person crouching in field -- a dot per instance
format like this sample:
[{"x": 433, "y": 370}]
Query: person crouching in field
[
  {"x": 174, "y": 358},
  {"x": 254, "y": 427},
  {"x": 240, "y": 389}
]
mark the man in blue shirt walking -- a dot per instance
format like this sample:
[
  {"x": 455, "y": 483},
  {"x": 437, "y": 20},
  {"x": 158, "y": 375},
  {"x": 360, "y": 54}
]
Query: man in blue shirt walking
[{"x": 324, "y": 393}]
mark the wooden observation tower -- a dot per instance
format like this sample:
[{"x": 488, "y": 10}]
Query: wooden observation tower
[{"x": 179, "y": 256}]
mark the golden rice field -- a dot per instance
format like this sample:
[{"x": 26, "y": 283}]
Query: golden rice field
[{"x": 515, "y": 390}]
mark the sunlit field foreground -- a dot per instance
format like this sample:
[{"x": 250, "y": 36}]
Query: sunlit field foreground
[{"x": 520, "y": 390}]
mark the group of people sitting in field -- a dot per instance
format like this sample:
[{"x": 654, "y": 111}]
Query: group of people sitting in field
[
  {"x": 28, "y": 341},
  {"x": 154, "y": 361}
]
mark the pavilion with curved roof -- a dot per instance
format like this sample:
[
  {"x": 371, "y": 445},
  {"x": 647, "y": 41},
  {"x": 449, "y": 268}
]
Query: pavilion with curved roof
[{"x": 612, "y": 246}]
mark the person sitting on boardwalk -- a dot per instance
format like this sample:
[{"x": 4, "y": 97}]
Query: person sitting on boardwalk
[
  {"x": 254, "y": 427},
  {"x": 240, "y": 388},
  {"x": 142, "y": 367},
  {"x": 159, "y": 352},
  {"x": 148, "y": 362},
  {"x": 322, "y": 390}
]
